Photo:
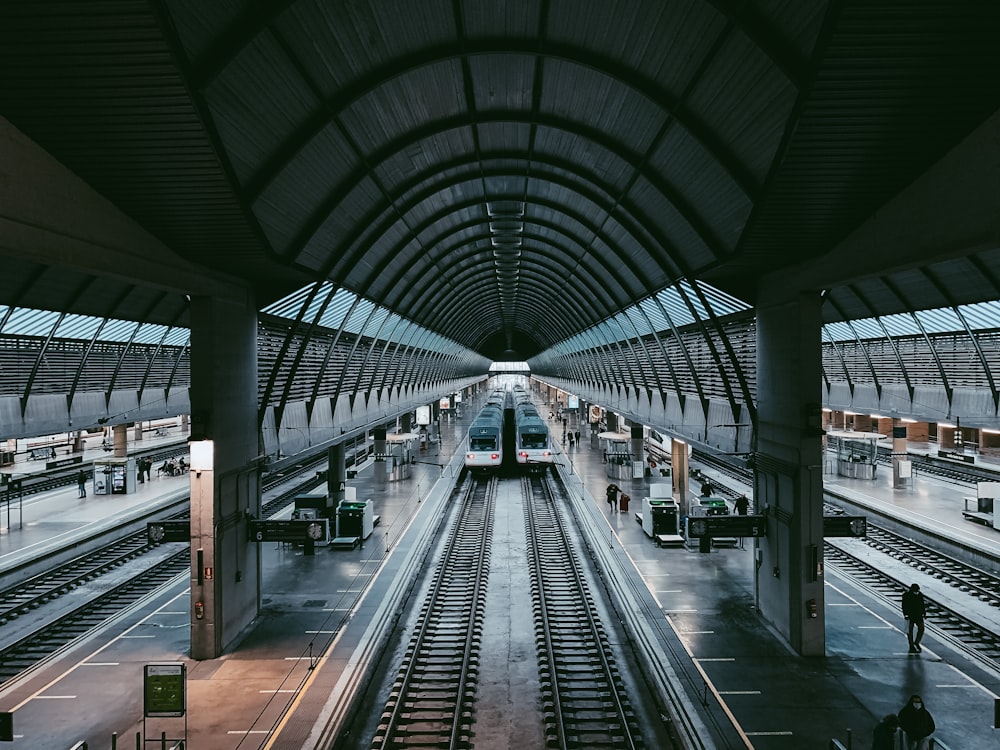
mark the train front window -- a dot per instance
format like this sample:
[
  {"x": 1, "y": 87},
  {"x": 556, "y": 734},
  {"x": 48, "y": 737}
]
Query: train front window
[
  {"x": 483, "y": 443},
  {"x": 533, "y": 441}
]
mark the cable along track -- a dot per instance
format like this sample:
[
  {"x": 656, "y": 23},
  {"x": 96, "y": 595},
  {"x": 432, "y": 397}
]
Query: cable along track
[
  {"x": 585, "y": 698},
  {"x": 433, "y": 699}
]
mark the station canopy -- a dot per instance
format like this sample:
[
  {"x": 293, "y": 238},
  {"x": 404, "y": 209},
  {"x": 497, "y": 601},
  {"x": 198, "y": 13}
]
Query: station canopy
[{"x": 508, "y": 176}]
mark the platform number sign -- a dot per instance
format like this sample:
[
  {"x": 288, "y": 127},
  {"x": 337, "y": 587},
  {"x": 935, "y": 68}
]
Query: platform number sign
[{"x": 163, "y": 690}]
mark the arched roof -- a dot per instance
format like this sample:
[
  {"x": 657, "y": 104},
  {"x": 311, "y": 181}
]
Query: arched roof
[{"x": 507, "y": 175}]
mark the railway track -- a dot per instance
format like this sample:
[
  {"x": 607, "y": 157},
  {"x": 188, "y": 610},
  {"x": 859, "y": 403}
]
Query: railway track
[
  {"x": 145, "y": 573},
  {"x": 28, "y": 651},
  {"x": 584, "y": 695},
  {"x": 965, "y": 578},
  {"x": 433, "y": 700},
  {"x": 976, "y": 639}
]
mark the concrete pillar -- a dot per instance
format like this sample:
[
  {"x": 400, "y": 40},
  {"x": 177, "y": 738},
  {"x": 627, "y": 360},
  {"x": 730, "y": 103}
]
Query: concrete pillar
[
  {"x": 899, "y": 454},
  {"x": 788, "y": 477},
  {"x": 225, "y": 479},
  {"x": 336, "y": 473},
  {"x": 636, "y": 446},
  {"x": 119, "y": 434},
  {"x": 378, "y": 470},
  {"x": 679, "y": 475}
]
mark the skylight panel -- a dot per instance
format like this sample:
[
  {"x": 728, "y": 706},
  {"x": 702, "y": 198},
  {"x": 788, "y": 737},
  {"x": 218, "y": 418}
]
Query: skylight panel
[{"x": 941, "y": 320}]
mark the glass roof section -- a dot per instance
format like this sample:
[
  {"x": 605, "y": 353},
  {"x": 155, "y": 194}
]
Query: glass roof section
[
  {"x": 355, "y": 315},
  {"x": 25, "y": 321},
  {"x": 980, "y": 316}
]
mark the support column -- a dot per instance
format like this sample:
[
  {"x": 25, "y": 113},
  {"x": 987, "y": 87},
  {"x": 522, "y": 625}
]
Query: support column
[
  {"x": 788, "y": 486},
  {"x": 119, "y": 434},
  {"x": 225, "y": 479},
  {"x": 679, "y": 474},
  {"x": 336, "y": 473},
  {"x": 637, "y": 448},
  {"x": 900, "y": 458},
  {"x": 378, "y": 470}
]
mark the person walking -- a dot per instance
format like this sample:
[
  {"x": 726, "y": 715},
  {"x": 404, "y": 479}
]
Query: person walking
[
  {"x": 917, "y": 724},
  {"x": 612, "y": 493},
  {"x": 914, "y": 609},
  {"x": 742, "y": 505},
  {"x": 884, "y": 736},
  {"x": 81, "y": 483}
]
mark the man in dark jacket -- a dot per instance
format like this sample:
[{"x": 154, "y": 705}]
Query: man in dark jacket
[
  {"x": 914, "y": 609},
  {"x": 612, "y": 493},
  {"x": 918, "y": 724},
  {"x": 884, "y": 736}
]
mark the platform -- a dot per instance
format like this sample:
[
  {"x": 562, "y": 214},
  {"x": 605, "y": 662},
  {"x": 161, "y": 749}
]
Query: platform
[{"x": 315, "y": 625}]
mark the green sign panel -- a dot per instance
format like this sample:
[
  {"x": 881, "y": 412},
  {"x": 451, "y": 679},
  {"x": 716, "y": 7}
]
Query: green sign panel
[{"x": 163, "y": 689}]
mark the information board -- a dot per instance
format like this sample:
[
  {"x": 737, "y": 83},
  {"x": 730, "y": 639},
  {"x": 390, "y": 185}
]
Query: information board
[
  {"x": 159, "y": 532},
  {"x": 164, "y": 690},
  {"x": 299, "y": 530},
  {"x": 845, "y": 525},
  {"x": 715, "y": 526}
]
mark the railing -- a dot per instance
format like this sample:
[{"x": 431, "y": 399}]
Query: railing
[
  {"x": 178, "y": 744},
  {"x": 897, "y": 743}
]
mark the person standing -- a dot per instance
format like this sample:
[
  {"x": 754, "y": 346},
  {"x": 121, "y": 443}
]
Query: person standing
[
  {"x": 81, "y": 483},
  {"x": 884, "y": 736},
  {"x": 917, "y": 723},
  {"x": 914, "y": 609}
]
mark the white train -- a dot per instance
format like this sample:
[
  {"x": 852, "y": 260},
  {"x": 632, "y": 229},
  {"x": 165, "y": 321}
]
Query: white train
[
  {"x": 485, "y": 451},
  {"x": 531, "y": 434}
]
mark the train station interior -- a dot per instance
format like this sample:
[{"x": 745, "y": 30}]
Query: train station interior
[{"x": 743, "y": 249}]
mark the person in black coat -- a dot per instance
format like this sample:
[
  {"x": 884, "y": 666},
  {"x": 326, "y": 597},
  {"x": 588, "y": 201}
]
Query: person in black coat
[
  {"x": 918, "y": 724},
  {"x": 612, "y": 493},
  {"x": 914, "y": 609},
  {"x": 884, "y": 736}
]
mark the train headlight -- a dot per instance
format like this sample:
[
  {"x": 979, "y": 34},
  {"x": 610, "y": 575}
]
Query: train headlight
[{"x": 494, "y": 456}]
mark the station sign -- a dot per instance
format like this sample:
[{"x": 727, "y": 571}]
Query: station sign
[
  {"x": 856, "y": 526},
  {"x": 716, "y": 526},
  {"x": 160, "y": 532},
  {"x": 299, "y": 531}
]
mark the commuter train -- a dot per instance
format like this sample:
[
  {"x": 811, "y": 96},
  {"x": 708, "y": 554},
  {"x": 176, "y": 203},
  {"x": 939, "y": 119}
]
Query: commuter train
[
  {"x": 486, "y": 435},
  {"x": 532, "y": 442}
]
